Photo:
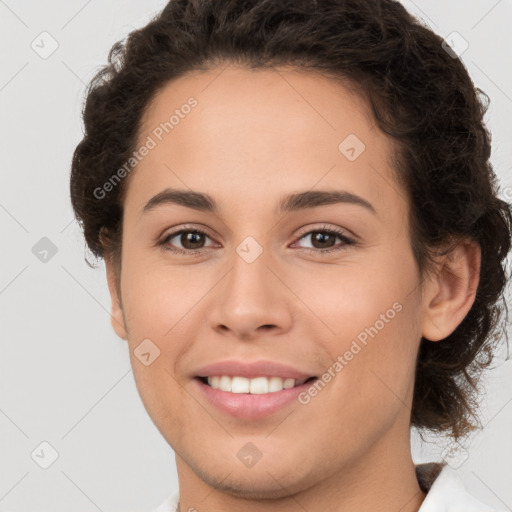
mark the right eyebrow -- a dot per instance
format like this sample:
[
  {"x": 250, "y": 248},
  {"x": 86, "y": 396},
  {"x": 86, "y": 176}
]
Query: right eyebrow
[{"x": 189, "y": 199}]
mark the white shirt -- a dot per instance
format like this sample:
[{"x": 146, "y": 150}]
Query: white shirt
[{"x": 446, "y": 494}]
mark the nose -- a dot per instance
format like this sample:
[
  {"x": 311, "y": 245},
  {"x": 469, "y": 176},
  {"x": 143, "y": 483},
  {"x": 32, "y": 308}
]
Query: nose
[{"x": 251, "y": 300}]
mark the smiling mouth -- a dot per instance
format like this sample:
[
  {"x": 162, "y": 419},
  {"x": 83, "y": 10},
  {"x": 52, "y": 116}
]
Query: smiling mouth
[{"x": 256, "y": 386}]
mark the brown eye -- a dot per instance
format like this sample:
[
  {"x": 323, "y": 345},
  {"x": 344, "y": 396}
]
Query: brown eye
[
  {"x": 191, "y": 241},
  {"x": 323, "y": 241}
]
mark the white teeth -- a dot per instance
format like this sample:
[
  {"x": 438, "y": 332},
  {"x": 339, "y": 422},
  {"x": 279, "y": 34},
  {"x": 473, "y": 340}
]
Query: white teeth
[
  {"x": 239, "y": 385},
  {"x": 256, "y": 386},
  {"x": 225, "y": 383},
  {"x": 288, "y": 383},
  {"x": 259, "y": 385},
  {"x": 275, "y": 384}
]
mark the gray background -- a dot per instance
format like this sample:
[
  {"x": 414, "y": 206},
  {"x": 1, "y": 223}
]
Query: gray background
[{"x": 65, "y": 376}]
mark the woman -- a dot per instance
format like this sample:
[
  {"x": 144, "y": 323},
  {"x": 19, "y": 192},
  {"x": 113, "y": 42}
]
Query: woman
[{"x": 304, "y": 248}]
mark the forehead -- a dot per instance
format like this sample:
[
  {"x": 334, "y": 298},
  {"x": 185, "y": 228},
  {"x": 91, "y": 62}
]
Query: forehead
[
  {"x": 278, "y": 101},
  {"x": 244, "y": 135}
]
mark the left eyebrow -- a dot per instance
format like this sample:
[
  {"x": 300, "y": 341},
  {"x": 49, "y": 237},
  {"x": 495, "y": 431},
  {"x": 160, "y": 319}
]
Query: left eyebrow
[
  {"x": 315, "y": 198},
  {"x": 289, "y": 203}
]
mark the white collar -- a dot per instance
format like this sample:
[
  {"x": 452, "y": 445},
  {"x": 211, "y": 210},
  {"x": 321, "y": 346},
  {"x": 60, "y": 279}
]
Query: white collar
[{"x": 446, "y": 494}]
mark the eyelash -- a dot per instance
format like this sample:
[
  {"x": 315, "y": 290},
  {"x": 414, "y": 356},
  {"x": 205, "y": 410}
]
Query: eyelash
[{"x": 192, "y": 252}]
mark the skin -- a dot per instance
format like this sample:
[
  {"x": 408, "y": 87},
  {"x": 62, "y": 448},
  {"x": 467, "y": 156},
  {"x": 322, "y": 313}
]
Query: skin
[{"x": 253, "y": 137}]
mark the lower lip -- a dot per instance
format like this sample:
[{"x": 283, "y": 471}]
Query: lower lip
[{"x": 251, "y": 406}]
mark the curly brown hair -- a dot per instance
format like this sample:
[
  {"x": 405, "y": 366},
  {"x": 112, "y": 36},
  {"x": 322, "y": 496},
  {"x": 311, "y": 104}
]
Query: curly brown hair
[{"x": 420, "y": 95}]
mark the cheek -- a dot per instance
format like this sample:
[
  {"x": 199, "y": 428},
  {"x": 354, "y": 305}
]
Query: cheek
[
  {"x": 371, "y": 388},
  {"x": 352, "y": 299},
  {"x": 155, "y": 297},
  {"x": 156, "y": 309},
  {"x": 380, "y": 367},
  {"x": 373, "y": 314},
  {"x": 155, "y": 304}
]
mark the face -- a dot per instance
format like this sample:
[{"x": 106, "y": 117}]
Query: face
[{"x": 324, "y": 283}]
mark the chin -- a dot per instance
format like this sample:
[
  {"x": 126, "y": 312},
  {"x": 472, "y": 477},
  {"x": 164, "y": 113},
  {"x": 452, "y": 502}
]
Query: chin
[{"x": 250, "y": 486}]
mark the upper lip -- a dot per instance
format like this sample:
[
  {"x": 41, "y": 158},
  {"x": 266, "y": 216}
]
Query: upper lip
[{"x": 251, "y": 369}]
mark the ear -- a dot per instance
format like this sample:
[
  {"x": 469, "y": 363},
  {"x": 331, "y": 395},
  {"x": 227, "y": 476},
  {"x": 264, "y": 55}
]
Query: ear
[
  {"x": 452, "y": 291},
  {"x": 114, "y": 287}
]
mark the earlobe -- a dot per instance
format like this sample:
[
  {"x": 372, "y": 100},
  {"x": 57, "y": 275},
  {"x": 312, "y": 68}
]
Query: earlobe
[
  {"x": 116, "y": 316},
  {"x": 451, "y": 293}
]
